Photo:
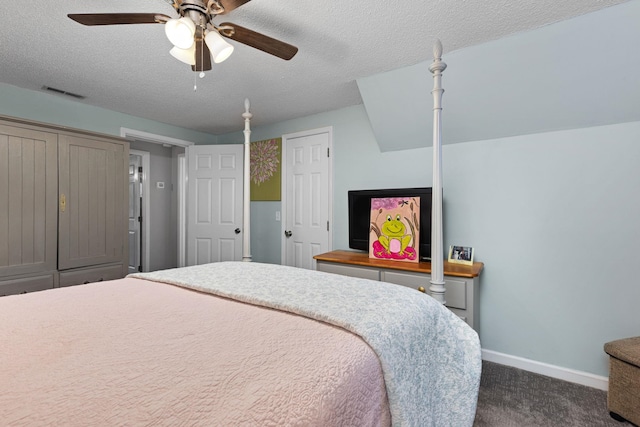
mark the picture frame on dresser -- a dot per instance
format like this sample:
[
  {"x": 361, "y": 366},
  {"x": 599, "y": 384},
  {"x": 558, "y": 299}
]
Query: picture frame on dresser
[{"x": 461, "y": 255}]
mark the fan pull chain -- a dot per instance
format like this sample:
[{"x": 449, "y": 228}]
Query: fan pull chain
[
  {"x": 202, "y": 54},
  {"x": 195, "y": 80},
  {"x": 202, "y": 73}
]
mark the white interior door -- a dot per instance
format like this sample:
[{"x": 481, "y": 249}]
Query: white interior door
[
  {"x": 182, "y": 210},
  {"x": 214, "y": 213},
  {"x": 135, "y": 213},
  {"x": 307, "y": 196}
]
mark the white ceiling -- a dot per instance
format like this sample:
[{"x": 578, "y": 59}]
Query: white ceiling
[{"x": 127, "y": 68}]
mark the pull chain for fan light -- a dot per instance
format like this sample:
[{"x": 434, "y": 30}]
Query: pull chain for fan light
[{"x": 195, "y": 81}]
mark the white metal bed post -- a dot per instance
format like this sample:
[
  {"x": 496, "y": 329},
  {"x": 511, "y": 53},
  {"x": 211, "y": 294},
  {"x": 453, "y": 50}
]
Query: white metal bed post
[
  {"x": 246, "y": 204},
  {"x": 437, "y": 263}
]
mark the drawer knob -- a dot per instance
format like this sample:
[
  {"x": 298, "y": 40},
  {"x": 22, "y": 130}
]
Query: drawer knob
[{"x": 421, "y": 289}]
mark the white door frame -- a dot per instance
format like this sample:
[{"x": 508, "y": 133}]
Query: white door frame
[
  {"x": 283, "y": 207},
  {"x": 182, "y": 210},
  {"x": 138, "y": 135}
]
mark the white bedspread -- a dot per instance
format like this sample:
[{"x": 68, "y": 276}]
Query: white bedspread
[{"x": 430, "y": 358}]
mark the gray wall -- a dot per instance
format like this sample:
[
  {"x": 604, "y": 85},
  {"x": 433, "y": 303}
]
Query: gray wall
[{"x": 162, "y": 216}]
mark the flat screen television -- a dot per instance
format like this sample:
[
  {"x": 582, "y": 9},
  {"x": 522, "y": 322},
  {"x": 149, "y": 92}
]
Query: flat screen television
[{"x": 360, "y": 216}]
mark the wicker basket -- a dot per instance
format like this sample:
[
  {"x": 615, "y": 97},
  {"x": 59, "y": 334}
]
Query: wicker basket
[{"x": 623, "y": 398}]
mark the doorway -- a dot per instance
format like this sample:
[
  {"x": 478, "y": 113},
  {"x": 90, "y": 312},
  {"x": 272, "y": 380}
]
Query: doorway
[{"x": 160, "y": 193}]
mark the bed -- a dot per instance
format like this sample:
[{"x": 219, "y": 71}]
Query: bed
[
  {"x": 235, "y": 343},
  {"x": 241, "y": 344}
]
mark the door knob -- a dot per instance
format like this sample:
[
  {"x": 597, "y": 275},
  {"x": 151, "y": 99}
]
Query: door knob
[
  {"x": 237, "y": 230},
  {"x": 288, "y": 233}
]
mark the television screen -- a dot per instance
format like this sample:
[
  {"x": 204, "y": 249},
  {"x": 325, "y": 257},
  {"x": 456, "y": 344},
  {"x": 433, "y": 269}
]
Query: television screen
[{"x": 360, "y": 216}]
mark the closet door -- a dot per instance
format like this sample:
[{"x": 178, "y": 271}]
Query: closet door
[
  {"x": 93, "y": 201},
  {"x": 28, "y": 201}
]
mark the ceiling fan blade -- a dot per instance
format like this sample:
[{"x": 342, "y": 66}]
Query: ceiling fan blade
[
  {"x": 118, "y": 18},
  {"x": 229, "y": 5},
  {"x": 203, "y": 56},
  {"x": 259, "y": 41}
]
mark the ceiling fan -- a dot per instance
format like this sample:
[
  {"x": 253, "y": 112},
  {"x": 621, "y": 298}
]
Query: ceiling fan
[{"x": 195, "y": 37}]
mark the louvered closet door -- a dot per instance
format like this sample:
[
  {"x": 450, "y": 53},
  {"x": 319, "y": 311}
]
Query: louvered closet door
[
  {"x": 93, "y": 209},
  {"x": 28, "y": 201}
]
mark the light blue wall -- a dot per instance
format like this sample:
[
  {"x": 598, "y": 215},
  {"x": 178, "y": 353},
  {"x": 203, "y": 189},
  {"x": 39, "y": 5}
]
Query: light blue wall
[
  {"x": 357, "y": 164},
  {"x": 577, "y": 73},
  {"x": 351, "y": 135},
  {"x": 54, "y": 109},
  {"x": 265, "y": 232},
  {"x": 554, "y": 217}
]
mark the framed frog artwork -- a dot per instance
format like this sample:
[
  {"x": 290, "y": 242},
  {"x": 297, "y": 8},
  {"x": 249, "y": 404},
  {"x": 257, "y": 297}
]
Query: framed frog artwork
[{"x": 395, "y": 228}]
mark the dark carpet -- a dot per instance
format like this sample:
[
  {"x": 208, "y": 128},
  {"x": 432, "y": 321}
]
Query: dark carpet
[{"x": 511, "y": 397}]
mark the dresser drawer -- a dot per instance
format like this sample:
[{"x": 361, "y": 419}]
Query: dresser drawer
[
  {"x": 89, "y": 275},
  {"x": 345, "y": 270},
  {"x": 410, "y": 280},
  {"x": 455, "y": 293},
  {"x": 26, "y": 284}
]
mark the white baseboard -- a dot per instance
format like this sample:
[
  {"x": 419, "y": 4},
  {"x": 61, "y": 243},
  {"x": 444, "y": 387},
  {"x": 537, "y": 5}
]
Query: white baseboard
[{"x": 571, "y": 375}]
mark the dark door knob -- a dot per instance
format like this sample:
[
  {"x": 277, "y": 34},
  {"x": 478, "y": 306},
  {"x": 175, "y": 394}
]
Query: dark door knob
[
  {"x": 237, "y": 230},
  {"x": 288, "y": 233}
]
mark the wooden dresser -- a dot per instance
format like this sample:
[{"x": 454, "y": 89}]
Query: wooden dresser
[{"x": 461, "y": 281}]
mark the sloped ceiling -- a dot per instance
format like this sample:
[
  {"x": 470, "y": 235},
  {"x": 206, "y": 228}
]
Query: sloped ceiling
[
  {"x": 128, "y": 69},
  {"x": 577, "y": 73}
]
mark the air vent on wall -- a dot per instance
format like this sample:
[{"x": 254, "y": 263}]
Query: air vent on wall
[{"x": 62, "y": 92}]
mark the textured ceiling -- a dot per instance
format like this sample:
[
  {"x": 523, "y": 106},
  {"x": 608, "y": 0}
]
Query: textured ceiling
[{"x": 127, "y": 68}]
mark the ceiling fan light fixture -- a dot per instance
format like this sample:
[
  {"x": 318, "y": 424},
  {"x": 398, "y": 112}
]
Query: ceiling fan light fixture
[
  {"x": 188, "y": 56},
  {"x": 180, "y": 32},
  {"x": 219, "y": 47}
]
